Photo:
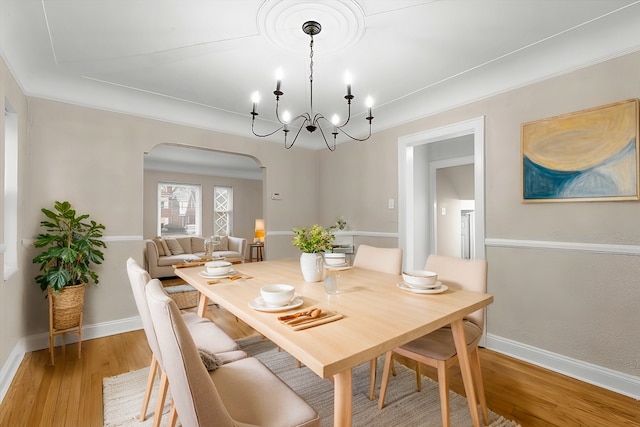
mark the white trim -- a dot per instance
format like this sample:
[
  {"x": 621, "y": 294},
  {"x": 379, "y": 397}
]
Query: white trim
[
  {"x": 601, "y": 248},
  {"x": 406, "y": 219},
  {"x": 3, "y": 248},
  {"x": 609, "y": 379},
  {"x": 41, "y": 341},
  {"x": 342, "y": 233},
  {"x": 133, "y": 238}
]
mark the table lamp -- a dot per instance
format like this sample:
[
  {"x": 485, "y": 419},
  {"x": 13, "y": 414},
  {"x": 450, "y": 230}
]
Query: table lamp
[{"x": 259, "y": 231}]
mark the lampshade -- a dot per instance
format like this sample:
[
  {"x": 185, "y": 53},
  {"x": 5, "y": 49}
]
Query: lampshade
[{"x": 259, "y": 230}]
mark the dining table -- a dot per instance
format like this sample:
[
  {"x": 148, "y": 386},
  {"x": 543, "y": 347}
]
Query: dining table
[{"x": 374, "y": 314}]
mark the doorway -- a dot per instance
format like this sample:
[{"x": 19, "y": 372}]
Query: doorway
[{"x": 419, "y": 156}]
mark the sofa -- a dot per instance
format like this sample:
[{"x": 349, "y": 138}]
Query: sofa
[{"x": 162, "y": 253}]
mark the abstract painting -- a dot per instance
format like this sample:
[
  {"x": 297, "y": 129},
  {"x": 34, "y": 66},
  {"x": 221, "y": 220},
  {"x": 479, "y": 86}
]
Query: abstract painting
[{"x": 590, "y": 155}]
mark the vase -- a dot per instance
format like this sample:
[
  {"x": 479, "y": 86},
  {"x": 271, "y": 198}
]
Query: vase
[{"x": 311, "y": 266}]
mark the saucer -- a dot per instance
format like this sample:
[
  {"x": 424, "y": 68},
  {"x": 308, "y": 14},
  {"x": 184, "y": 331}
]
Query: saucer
[
  {"x": 259, "y": 304},
  {"x": 437, "y": 290},
  {"x": 221, "y": 276}
]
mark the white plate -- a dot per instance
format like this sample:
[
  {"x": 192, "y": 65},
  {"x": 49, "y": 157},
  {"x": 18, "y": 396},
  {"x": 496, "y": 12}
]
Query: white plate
[
  {"x": 259, "y": 304},
  {"x": 211, "y": 276},
  {"x": 422, "y": 288},
  {"x": 338, "y": 267},
  {"x": 437, "y": 290}
]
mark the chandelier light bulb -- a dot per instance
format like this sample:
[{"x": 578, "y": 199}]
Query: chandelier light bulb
[
  {"x": 278, "y": 81},
  {"x": 368, "y": 102},
  {"x": 286, "y": 116},
  {"x": 335, "y": 119},
  {"x": 255, "y": 98}
]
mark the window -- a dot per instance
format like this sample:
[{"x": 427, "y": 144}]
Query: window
[
  {"x": 179, "y": 209},
  {"x": 222, "y": 211},
  {"x": 10, "y": 191}
]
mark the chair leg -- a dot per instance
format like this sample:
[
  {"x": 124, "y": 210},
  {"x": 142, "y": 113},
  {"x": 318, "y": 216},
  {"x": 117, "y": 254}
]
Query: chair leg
[
  {"x": 443, "y": 382},
  {"x": 162, "y": 395},
  {"x": 373, "y": 366},
  {"x": 173, "y": 415},
  {"x": 479, "y": 387},
  {"x": 147, "y": 394},
  {"x": 388, "y": 363},
  {"x": 418, "y": 376}
]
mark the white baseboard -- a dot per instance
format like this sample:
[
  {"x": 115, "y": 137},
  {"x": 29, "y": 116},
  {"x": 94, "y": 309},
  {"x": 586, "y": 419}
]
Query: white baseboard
[
  {"x": 41, "y": 341},
  {"x": 609, "y": 379}
]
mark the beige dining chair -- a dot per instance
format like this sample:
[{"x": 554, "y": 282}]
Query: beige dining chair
[
  {"x": 437, "y": 349},
  {"x": 206, "y": 333},
  {"x": 384, "y": 260},
  {"x": 243, "y": 392}
]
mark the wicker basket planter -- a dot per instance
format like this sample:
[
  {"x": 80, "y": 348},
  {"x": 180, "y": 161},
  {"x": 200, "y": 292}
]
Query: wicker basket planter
[{"x": 65, "y": 314}]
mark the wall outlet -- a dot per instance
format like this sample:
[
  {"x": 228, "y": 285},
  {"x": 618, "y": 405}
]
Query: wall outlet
[
  {"x": 392, "y": 203},
  {"x": 276, "y": 196}
]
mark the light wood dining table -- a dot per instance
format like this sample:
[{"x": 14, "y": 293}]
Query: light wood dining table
[{"x": 378, "y": 316}]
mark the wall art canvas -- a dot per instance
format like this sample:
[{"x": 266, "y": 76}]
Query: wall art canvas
[{"x": 590, "y": 155}]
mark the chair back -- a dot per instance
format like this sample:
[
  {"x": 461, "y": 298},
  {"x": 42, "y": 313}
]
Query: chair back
[
  {"x": 458, "y": 273},
  {"x": 138, "y": 278},
  {"x": 384, "y": 260},
  {"x": 194, "y": 393}
]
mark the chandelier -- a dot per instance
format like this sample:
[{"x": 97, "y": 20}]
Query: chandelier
[{"x": 310, "y": 120}]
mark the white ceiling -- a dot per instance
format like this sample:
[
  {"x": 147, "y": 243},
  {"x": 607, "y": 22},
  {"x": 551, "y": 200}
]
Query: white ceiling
[{"x": 196, "y": 62}]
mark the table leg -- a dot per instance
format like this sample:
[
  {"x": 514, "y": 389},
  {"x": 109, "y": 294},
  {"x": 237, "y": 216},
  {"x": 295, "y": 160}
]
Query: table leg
[
  {"x": 457, "y": 328},
  {"x": 203, "y": 302},
  {"x": 342, "y": 399}
]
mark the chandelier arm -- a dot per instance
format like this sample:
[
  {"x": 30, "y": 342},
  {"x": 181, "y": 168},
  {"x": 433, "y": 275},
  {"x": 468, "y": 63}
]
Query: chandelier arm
[
  {"x": 348, "y": 115},
  {"x": 294, "y": 139},
  {"x": 357, "y": 139},
  {"x": 266, "y": 134},
  {"x": 325, "y": 139}
]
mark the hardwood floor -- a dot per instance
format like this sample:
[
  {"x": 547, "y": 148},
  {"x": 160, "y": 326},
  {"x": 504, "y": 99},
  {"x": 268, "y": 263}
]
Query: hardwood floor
[{"x": 70, "y": 393}]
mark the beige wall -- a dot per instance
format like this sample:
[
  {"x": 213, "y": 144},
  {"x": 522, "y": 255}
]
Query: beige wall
[
  {"x": 578, "y": 304},
  {"x": 94, "y": 159},
  {"x": 247, "y": 201}
]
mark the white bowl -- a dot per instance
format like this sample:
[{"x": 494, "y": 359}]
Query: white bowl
[
  {"x": 217, "y": 268},
  {"x": 332, "y": 258},
  {"x": 277, "y": 295},
  {"x": 420, "y": 278}
]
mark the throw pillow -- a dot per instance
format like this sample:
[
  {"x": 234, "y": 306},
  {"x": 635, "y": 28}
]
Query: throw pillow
[
  {"x": 197, "y": 244},
  {"x": 174, "y": 246},
  {"x": 165, "y": 247},
  {"x": 210, "y": 360},
  {"x": 158, "y": 243},
  {"x": 222, "y": 245}
]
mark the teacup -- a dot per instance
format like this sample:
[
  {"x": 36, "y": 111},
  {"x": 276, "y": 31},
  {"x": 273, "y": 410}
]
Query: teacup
[{"x": 277, "y": 295}]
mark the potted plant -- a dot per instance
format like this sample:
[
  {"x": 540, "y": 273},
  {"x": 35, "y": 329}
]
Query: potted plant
[
  {"x": 72, "y": 246},
  {"x": 312, "y": 241}
]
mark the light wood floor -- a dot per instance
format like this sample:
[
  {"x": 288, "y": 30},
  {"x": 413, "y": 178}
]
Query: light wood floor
[{"x": 70, "y": 394}]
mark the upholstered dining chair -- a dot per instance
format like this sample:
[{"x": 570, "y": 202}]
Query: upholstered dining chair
[
  {"x": 243, "y": 392},
  {"x": 384, "y": 260},
  {"x": 206, "y": 333},
  {"x": 437, "y": 349}
]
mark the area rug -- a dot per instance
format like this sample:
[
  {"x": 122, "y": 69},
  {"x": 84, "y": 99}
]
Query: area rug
[{"x": 122, "y": 395}]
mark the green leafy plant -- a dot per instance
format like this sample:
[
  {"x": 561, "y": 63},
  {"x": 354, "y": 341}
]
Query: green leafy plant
[
  {"x": 313, "y": 239},
  {"x": 72, "y": 245}
]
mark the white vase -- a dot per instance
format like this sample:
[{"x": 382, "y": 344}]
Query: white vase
[{"x": 311, "y": 266}]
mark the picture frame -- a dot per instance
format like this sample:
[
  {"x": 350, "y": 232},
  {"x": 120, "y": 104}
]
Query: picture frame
[{"x": 589, "y": 155}]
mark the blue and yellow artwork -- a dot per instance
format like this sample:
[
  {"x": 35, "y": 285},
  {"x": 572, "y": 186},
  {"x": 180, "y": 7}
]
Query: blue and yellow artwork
[{"x": 583, "y": 156}]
